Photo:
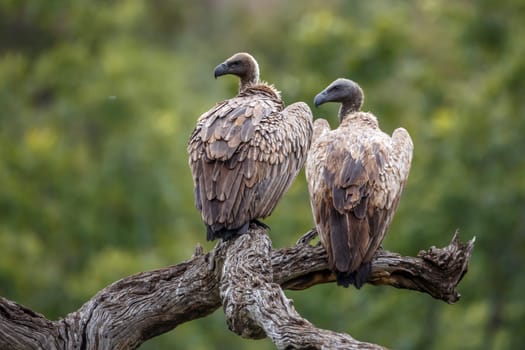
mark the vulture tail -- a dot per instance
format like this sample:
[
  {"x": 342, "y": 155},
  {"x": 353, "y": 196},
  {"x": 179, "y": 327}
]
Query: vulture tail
[
  {"x": 225, "y": 233},
  {"x": 357, "y": 277}
]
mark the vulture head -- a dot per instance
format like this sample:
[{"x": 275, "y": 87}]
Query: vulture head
[
  {"x": 242, "y": 65},
  {"x": 345, "y": 91}
]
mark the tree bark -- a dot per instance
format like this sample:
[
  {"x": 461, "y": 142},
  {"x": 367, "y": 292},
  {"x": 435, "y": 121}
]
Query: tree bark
[{"x": 246, "y": 277}]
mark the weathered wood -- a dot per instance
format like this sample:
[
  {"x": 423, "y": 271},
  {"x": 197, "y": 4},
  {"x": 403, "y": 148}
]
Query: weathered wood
[
  {"x": 139, "y": 307},
  {"x": 436, "y": 271},
  {"x": 122, "y": 315},
  {"x": 256, "y": 307}
]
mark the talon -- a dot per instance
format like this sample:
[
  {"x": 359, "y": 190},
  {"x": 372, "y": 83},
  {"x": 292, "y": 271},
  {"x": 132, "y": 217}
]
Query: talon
[{"x": 307, "y": 237}]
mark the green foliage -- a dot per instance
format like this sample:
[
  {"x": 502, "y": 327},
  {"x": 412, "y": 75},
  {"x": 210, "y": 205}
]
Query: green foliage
[{"x": 98, "y": 99}]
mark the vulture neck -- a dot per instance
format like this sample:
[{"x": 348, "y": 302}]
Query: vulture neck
[
  {"x": 249, "y": 79},
  {"x": 347, "y": 108}
]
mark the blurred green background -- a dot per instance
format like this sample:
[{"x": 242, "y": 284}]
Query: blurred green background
[{"x": 98, "y": 98}]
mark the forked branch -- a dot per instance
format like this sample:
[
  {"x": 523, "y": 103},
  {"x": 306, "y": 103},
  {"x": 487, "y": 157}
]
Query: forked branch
[{"x": 244, "y": 276}]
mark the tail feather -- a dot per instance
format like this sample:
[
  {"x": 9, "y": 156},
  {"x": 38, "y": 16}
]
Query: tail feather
[{"x": 357, "y": 277}]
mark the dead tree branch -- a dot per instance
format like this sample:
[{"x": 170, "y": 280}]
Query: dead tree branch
[
  {"x": 255, "y": 307},
  {"x": 244, "y": 276}
]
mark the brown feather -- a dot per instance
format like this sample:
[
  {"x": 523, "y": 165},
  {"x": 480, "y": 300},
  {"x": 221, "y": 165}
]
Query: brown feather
[
  {"x": 244, "y": 155},
  {"x": 356, "y": 174}
]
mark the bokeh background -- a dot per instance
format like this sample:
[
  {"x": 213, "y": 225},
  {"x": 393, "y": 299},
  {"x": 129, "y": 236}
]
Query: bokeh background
[{"x": 98, "y": 98}]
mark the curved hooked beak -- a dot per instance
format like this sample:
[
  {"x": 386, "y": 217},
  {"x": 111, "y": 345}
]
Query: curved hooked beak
[
  {"x": 320, "y": 98},
  {"x": 221, "y": 69}
]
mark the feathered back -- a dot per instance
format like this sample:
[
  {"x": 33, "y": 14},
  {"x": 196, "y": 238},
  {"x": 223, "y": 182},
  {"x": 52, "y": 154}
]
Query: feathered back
[{"x": 244, "y": 154}]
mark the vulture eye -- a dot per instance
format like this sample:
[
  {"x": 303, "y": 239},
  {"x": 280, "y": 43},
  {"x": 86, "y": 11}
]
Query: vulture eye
[{"x": 235, "y": 63}]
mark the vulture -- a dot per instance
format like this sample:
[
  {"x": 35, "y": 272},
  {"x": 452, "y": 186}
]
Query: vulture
[
  {"x": 245, "y": 152},
  {"x": 356, "y": 174}
]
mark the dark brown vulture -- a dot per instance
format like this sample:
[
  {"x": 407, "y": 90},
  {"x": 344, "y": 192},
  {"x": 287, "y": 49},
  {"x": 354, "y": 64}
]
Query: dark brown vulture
[
  {"x": 246, "y": 151},
  {"x": 356, "y": 174}
]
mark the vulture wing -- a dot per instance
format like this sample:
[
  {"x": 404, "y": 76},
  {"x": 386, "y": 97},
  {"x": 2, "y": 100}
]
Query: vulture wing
[{"x": 244, "y": 154}]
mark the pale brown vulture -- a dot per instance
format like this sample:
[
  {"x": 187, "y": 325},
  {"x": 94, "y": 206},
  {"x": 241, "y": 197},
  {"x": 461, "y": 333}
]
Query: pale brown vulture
[
  {"x": 356, "y": 174},
  {"x": 246, "y": 151}
]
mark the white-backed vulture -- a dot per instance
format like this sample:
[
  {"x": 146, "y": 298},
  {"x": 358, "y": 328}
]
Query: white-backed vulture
[
  {"x": 356, "y": 174},
  {"x": 246, "y": 151}
]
